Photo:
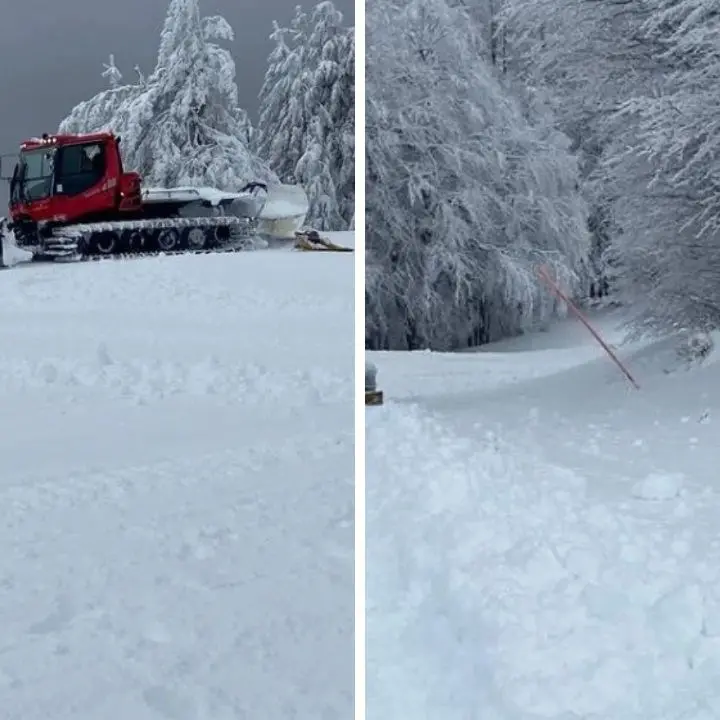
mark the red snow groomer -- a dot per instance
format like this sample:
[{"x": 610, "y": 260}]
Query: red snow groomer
[{"x": 70, "y": 197}]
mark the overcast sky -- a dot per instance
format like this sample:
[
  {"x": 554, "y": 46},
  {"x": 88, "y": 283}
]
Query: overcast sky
[{"x": 52, "y": 53}]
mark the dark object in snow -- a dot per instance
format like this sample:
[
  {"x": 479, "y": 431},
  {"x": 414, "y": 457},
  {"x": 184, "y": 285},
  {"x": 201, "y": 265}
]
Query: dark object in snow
[
  {"x": 3, "y": 232},
  {"x": 373, "y": 396},
  {"x": 310, "y": 240}
]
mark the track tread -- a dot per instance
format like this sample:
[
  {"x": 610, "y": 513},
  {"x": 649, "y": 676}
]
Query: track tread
[{"x": 64, "y": 245}]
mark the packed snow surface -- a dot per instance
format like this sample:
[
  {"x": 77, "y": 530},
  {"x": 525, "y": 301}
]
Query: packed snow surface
[
  {"x": 11, "y": 254},
  {"x": 177, "y": 488},
  {"x": 542, "y": 538}
]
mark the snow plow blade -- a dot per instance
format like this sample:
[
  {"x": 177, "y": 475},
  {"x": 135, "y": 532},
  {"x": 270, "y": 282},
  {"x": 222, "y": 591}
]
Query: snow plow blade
[
  {"x": 311, "y": 241},
  {"x": 284, "y": 211}
]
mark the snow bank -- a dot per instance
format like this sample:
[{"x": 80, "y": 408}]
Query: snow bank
[
  {"x": 344, "y": 238},
  {"x": 12, "y": 254},
  {"x": 659, "y": 486},
  {"x": 542, "y": 538}
]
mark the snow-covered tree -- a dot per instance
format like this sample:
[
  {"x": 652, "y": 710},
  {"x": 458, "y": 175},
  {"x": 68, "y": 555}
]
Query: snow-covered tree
[
  {"x": 274, "y": 127},
  {"x": 488, "y": 92},
  {"x": 586, "y": 57},
  {"x": 306, "y": 128},
  {"x": 465, "y": 196},
  {"x": 329, "y": 159},
  {"x": 183, "y": 124},
  {"x": 284, "y": 122},
  {"x": 343, "y": 112},
  {"x": 665, "y": 162},
  {"x": 191, "y": 129}
]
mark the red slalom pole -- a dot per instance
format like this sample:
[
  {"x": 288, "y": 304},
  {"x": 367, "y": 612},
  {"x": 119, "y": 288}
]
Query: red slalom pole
[{"x": 545, "y": 275}]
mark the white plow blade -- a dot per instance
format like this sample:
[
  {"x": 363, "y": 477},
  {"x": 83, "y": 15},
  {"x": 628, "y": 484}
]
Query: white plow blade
[{"x": 284, "y": 212}]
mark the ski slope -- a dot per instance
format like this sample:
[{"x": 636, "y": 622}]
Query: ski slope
[
  {"x": 177, "y": 488},
  {"x": 542, "y": 538}
]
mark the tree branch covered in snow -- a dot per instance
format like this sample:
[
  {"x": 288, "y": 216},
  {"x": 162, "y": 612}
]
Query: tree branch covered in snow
[
  {"x": 111, "y": 72},
  {"x": 468, "y": 189}
]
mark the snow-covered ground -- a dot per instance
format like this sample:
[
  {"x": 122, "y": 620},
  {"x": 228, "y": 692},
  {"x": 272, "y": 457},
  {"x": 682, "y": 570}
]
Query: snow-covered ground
[
  {"x": 542, "y": 538},
  {"x": 176, "y": 484}
]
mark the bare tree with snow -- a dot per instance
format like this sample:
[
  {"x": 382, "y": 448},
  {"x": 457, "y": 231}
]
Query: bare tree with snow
[
  {"x": 584, "y": 57},
  {"x": 665, "y": 162},
  {"x": 465, "y": 196}
]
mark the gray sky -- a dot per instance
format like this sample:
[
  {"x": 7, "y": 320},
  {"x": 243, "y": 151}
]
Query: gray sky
[{"x": 52, "y": 53}]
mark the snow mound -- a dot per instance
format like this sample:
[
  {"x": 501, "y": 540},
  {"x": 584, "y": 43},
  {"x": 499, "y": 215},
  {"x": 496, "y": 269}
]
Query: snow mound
[
  {"x": 659, "y": 486},
  {"x": 697, "y": 346},
  {"x": 12, "y": 254}
]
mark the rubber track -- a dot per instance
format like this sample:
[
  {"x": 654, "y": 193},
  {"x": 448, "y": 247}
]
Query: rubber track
[
  {"x": 277, "y": 245},
  {"x": 146, "y": 254},
  {"x": 62, "y": 245},
  {"x": 211, "y": 221}
]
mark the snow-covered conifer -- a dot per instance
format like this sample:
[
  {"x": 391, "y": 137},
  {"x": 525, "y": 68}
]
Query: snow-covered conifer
[
  {"x": 307, "y": 112},
  {"x": 195, "y": 132},
  {"x": 329, "y": 99},
  {"x": 274, "y": 126}
]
